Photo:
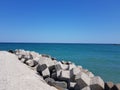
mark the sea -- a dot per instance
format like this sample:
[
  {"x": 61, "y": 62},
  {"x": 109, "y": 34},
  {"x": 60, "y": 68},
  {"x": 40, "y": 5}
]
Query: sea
[{"x": 101, "y": 59}]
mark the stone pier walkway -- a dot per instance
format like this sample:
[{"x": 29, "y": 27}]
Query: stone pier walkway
[{"x": 15, "y": 75}]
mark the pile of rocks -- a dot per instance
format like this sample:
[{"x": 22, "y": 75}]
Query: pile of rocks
[{"x": 61, "y": 74}]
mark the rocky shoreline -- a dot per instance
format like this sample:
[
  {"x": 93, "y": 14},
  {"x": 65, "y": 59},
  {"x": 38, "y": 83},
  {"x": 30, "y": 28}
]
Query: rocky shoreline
[{"x": 63, "y": 75}]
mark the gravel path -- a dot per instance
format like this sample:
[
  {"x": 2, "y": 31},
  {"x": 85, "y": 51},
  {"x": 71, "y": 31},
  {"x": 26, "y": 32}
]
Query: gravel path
[{"x": 15, "y": 75}]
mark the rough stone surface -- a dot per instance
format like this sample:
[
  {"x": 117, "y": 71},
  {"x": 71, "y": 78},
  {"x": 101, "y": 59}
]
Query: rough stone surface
[
  {"x": 58, "y": 67},
  {"x": 75, "y": 71},
  {"x": 116, "y": 87},
  {"x": 58, "y": 84},
  {"x": 50, "y": 81},
  {"x": 72, "y": 85},
  {"x": 65, "y": 75},
  {"x": 35, "y": 55},
  {"x": 96, "y": 83},
  {"x": 48, "y": 61},
  {"x": 90, "y": 74},
  {"x": 23, "y": 60},
  {"x": 31, "y": 63},
  {"x": 15, "y": 75},
  {"x": 46, "y": 73},
  {"x": 82, "y": 80},
  {"x": 40, "y": 68},
  {"x": 71, "y": 66},
  {"x": 108, "y": 85}
]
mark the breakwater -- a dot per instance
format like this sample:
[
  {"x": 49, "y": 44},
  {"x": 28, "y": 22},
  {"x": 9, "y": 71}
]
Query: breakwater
[{"x": 61, "y": 74}]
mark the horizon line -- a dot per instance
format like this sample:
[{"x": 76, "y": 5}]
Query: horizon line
[{"x": 60, "y": 42}]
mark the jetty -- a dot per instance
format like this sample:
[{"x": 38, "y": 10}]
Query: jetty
[{"x": 29, "y": 70}]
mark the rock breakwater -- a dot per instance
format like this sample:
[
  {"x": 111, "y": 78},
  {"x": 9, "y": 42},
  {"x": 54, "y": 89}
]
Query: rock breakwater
[{"x": 64, "y": 75}]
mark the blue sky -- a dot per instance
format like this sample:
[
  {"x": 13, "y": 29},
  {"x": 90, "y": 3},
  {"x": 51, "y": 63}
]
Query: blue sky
[{"x": 60, "y": 21}]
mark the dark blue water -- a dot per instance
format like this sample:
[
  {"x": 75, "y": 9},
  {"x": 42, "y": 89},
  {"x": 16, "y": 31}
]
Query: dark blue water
[{"x": 101, "y": 59}]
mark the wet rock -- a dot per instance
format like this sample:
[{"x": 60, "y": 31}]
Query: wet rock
[{"x": 96, "y": 83}]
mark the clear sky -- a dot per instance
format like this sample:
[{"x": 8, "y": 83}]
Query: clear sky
[{"x": 60, "y": 21}]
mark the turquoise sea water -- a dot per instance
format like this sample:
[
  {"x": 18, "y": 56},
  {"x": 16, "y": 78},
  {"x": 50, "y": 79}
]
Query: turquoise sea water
[{"x": 101, "y": 59}]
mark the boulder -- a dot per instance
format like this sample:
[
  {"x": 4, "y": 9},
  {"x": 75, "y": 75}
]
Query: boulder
[
  {"x": 50, "y": 81},
  {"x": 63, "y": 66},
  {"x": 31, "y": 63},
  {"x": 46, "y": 73},
  {"x": 108, "y": 85},
  {"x": 116, "y": 87},
  {"x": 82, "y": 80},
  {"x": 71, "y": 66},
  {"x": 84, "y": 70},
  {"x": 41, "y": 68},
  {"x": 54, "y": 75},
  {"x": 96, "y": 83},
  {"x": 63, "y": 62},
  {"x": 64, "y": 75},
  {"x": 61, "y": 85},
  {"x": 53, "y": 58},
  {"x": 90, "y": 74},
  {"x": 21, "y": 52},
  {"x": 72, "y": 85},
  {"x": 45, "y": 55},
  {"x": 28, "y": 56},
  {"x": 80, "y": 67},
  {"x": 48, "y": 61},
  {"x": 36, "y": 59},
  {"x": 58, "y": 67},
  {"x": 20, "y": 56},
  {"x": 74, "y": 72},
  {"x": 35, "y": 55},
  {"x": 68, "y": 62},
  {"x": 23, "y": 60}
]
